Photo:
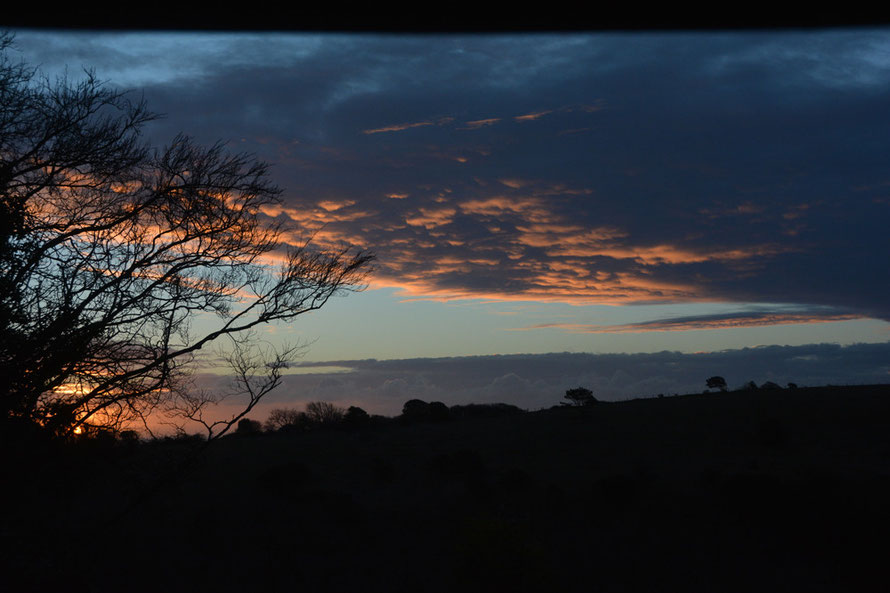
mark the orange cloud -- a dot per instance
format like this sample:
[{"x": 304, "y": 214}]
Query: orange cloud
[
  {"x": 406, "y": 126},
  {"x": 533, "y": 209},
  {"x": 541, "y": 282},
  {"x": 398, "y": 127},
  {"x": 480, "y": 123},
  {"x": 332, "y": 205},
  {"x": 532, "y": 116},
  {"x": 431, "y": 217},
  {"x": 574, "y": 241},
  {"x": 525, "y": 247},
  {"x": 698, "y": 323},
  {"x": 514, "y": 183}
]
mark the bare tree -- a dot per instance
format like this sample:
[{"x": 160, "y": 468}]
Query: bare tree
[
  {"x": 324, "y": 413},
  {"x": 110, "y": 248},
  {"x": 256, "y": 372},
  {"x": 284, "y": 417}
]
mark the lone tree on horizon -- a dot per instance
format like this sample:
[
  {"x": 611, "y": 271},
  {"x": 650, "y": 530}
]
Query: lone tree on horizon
[
  {"x": 579, "y": 396},
  {"x": 109, "y": 249},
  {"x": 716, "y": 382}
]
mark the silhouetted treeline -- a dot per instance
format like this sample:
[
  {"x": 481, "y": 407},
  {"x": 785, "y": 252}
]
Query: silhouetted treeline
[{"x": 324, "y": 415}]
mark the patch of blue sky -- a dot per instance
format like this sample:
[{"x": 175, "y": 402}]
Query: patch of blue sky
[{"x": 381, "y": 324}]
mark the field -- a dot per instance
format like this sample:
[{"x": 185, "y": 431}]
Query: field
[{"x": 768, "y": 490}]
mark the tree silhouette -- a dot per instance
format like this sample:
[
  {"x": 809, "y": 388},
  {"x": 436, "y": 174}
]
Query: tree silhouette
[
  {"x": 109, "y": 248},
  {"x": 716, "y": 382},
  {"x": 324, "y": 413},
  {"x": 415, "y": 410},
  {"x": 282, "y": 417},
  {"x": 356, "y": 417},
  {"x": 246, "y": 426},
  {"x": 579, "y": 396}
]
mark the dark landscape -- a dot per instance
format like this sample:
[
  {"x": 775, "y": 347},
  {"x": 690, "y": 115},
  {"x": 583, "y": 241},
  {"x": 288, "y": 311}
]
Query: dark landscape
[
  {"x": 758, "y": 490},
  {"x": 628, "y": 213}
]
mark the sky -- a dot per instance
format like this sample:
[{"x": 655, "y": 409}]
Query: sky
[{"x": 629, "y": 211}]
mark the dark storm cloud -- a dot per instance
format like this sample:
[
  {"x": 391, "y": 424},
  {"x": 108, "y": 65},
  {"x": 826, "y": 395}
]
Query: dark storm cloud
[
  {"x": 745, "y": 167},
  {"x": 533, "y": 381}
]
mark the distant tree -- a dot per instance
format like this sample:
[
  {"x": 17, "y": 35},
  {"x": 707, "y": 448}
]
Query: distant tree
[
  {"x": 770, "y": 385},
  {"x": 246, "y": 426},
  {"x": 716, "y": 382},
  {"x": 324, "y": 413},
  {"x": 356, "y": 417},
  {"x": 415, "y": 409},
  {"x": 281, "y": 417},
  {"x": 579, "y": 396},
  {"x": 749, "y": 386},
  {"x": 792, "y": 386}
]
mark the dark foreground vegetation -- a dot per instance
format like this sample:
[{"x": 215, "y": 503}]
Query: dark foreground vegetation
[{"x": 766, "y": 490}]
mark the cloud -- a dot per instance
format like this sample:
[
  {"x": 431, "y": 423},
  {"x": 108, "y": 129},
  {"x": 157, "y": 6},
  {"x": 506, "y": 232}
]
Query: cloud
[
  {"x": 704, "y": 322},
  {"x": 744, "y": 168},
  {"x": 532, "y": 116},
  {"x": 431, "y": 217},
  {"x": 399, "y": 127},
  {"x": 480, "y": 123}
]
